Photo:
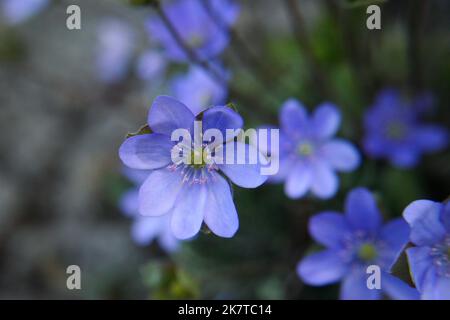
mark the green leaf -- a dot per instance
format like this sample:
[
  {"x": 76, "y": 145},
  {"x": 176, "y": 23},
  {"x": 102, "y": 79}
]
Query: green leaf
[{"x": 145, "y": 129}]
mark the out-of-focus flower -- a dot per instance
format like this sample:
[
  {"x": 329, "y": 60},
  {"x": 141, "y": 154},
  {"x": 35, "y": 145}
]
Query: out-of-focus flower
[
  {"x": 394, "y": 130},
  {"x": 354, "y": 241},
  {"x": 151, "y": 65},
  {"x": 309, "y": 155},
  {"x": 146, "y": 229},
  {"x": 116, "y": 44},
  {"x": 429, "y": 260},
  {"x": 191, "y": 193},
  {"x": 17, "y": 11},
  {"x": 196, "y": 27},
  {"x": 198, "y": 90}
]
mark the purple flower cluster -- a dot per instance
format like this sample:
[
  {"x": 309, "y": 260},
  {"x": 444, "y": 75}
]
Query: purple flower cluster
[
  {"x": 198, "y": 28},
  {"x": 354, "y": 241}
]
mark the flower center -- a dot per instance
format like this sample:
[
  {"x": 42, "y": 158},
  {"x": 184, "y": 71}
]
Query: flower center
[
  {"x": 197, "y": 159},
  {"x": 305, "y": 149},
  {"x": 396, "y": 130},
  {"x": 440, "y": 254},
  {"x": 367, "y": 252},
  {"x": 195, "y": 41}
]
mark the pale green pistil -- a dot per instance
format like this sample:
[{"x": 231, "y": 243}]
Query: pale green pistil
[
  {"x": 367, "y": 252},
  {"x": 197, "y": 160},
  {"x": 195, "y": 41},
  {"x": 396, "y": 130},
  {"x": 305, "y": 149}
]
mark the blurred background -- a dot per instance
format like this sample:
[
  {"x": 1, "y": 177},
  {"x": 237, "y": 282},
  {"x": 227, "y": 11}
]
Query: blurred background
[{"x": 63, "y": 118}]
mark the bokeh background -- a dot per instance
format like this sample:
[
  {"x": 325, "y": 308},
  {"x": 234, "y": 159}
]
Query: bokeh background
[{"x": 61, "y": 127}]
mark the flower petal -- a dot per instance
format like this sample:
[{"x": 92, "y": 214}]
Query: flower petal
[
  {"x": 431, "y": 138},
  {"x": 354, "y": 287},
  {"x": 321, "y": 268},
  {"x": 362, "y": 211},
  {"x": 147, "y": 151},
  {"x": 397, "y": 289},
  {"x": 293, "y": 117},
  {"x": 325, "y": 120},
  {"x": 136, "y": 176},
  {"x": 395, "y": 235},
  {"x": 168, "y": 114},
  {"x": 129, "y": 202},
  {"x": 324, "y": 182},
  {"x": 220, "y": 215},
  {"x": 221, "y": 118},
  {"x": 423, "y": 217},
  {"x": 420, "y": 262},
  {"x": 298, "y": 181},
  {"x": 158, "y": 193},
  {"x": 145, "y": 229},
  {"x": 240, "y": 170},
  {"x": 328, "y": 228},
  {"x": 167, "y": 241},
  {"x": 436, "y": 287},
  {"x": 341, "y": 155},
  {"x": 189, "y": 211}
]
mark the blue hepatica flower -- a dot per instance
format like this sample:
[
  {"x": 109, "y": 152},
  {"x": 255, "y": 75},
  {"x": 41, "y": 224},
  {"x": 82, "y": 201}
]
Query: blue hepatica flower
[
  {"x": 17, "y": 11},
  {"x": 197, "y": 89},
  {"x": 151, "y": 65},
  {"x": 196, "y": 27},
  {"x": 394, "y": 130},
  {"x": 429, "y": 260},
  {"x": 146, "y": 229},
  {"x": 191, "y": 193},
  {"x": 309, "y": 155},
  {"x": 354, "y": 241},
  {"x": 116, "y": 44}
]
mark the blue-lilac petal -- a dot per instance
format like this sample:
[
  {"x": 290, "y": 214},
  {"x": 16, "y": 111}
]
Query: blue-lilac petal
[
  {"x": 435, "y": 287},
  {"x": 322, "y": 268},
  {"x": 324, "y": 181},
  {"x": 362, "y": 211},
  {"x": 420, "y": 261},
  {"x": 325, "y": 120},
  {"x": 293, "y": 117},
  {"x": 147, "y": 151},
  {"x": 341, "y": 155},
  {"x": 354, "y": 287},
  {"x": 394, "y": 235},
  {"x": 298, "y": 181},
  {"x": 159, "y": 192},
  {"x": 423, "y": 217},
  {"x": 431, "y": 138},
  {"x": 128, "y": 202},
  {"x": 221, "y": 118},
  {"x": 168, "y": 114},
  {"x": 398, "y": 289},
  {"x": 189, "y": 210},
  {"x": 198, "y": 90},
  {"x": 220, "y": 214},
  {"x": 242, "y": 172},
  {"x": 329, "y": 228}
]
